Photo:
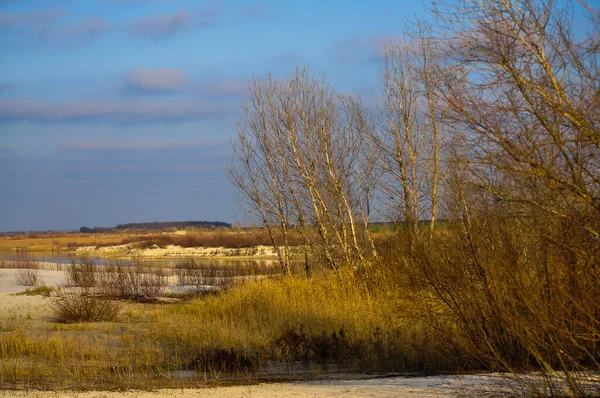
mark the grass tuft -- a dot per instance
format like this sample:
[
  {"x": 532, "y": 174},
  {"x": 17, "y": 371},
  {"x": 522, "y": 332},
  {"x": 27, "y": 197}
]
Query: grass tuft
[{"x": 41, "y": 290}]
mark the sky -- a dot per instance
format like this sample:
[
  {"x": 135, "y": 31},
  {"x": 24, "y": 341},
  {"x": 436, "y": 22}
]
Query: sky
[{"x": 118, "y": 111}]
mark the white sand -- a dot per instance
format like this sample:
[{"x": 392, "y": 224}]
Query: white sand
[
  {"x": 172, "y": 251},
  {"x": 8, "y": 283},
  {"x": 435, "y": 386},
  {"x": 16, "y": 307}
]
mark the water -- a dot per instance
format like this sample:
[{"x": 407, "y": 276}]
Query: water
[
  {"x": 47, "y": 257},
  {"x": 66, "y": 258}
]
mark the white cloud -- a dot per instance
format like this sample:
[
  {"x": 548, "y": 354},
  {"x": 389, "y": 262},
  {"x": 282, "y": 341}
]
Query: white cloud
[
  {"x": 130, "y": 112},
  {"x": 164, "y": 79}
]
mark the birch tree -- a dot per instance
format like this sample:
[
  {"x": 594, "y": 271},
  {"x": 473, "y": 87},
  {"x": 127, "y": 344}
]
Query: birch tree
[
  {"x": 296, "y": 162},
  {"x": 410, "y": 132}
]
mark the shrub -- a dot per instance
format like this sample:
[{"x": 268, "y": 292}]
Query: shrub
[
  {"x": 146, "y": 282},
  {"x": 113, "y": 280},
  {"x": 82, "y": 273},
  {"x": 69, "y": 308},
  {"x": 192, "y": 272},
  {"x": 139, "y": 281},
  {"x": 27, "y": 276}
]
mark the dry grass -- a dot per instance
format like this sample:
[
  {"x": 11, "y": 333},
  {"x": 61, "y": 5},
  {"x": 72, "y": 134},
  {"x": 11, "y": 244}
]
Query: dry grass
[
  {"x": 40, "y": 290},
  {"x": 204, "y": 238},
  {"x": 253, "y": 330},
  {"x": 454, "y": 303},
  {"x": 229, "y": 238},
  {"x": 56, "y": 242}
]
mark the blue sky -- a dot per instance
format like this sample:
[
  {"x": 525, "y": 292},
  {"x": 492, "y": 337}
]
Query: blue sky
[{"x": 116, "y": 111}]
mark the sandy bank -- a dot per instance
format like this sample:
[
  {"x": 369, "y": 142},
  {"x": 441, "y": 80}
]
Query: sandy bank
[
  {"x": 434, "y": 386},
  {"x": 172, "y": 251},
  {"x": 8, "y": 283}
]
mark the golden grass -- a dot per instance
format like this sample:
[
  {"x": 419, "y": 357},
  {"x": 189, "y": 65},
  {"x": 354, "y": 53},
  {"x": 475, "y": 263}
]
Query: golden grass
[
  {"x": 191, "y": 237},
  {"x": 55, "y": 242},
  {"x": 41, "y": 290},
  {"x": 318, "y": 322},
  {"x": 233, "y": 238}
]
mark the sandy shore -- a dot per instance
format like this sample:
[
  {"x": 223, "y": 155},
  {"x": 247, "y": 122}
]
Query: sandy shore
[
  {"x": 9, "y": 285},
  {"x": 175, "y": 252},
  {"x": 15, "y": 307},
  {"x": 434, "y": 386}
]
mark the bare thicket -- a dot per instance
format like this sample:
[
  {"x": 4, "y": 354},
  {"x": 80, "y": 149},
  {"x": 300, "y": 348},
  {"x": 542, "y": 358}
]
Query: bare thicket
[
  {"x": 522, "y": 93},
  {"x": 202, "y": 276},
  {"x": 28, "y": 271},
  {"x": 27, "y": 276},
  {"x": 297, "y": 159},
  {"x": 83, "y": 272},
  {"x": 489, "y": 114},
  {"x": 137, "y": 279},
  {"x": 408, "y": 138},
  {"x": 72, "y": 307}
]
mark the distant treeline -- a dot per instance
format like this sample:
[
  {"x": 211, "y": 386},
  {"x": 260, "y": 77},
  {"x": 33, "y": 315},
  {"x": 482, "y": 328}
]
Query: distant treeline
[{"x": 157, "y": 225}]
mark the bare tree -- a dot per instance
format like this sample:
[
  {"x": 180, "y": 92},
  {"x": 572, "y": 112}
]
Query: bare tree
[
  {"x": 522, "y": 93},
  {"x": 409, "y": 138},
  {"x": 257, "y": 169},
  {"x": 296, "y": 163}
]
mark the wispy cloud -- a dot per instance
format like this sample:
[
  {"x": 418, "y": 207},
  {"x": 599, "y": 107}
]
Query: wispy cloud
[
  {"x": 8, "y": 19},
  {"x": 139, "y": 1},
  {"x": 290, "y": 57},
  {"x": 37, "y": 22},
  {"x": 166, "y": 25},
  {"x": 378, "y": 44},
  {"x": 148, "y": 157},
  {"x": 50, "y": 25},
  {"x": 254, "y": 10},
  {"x": 115, "y": 145},
  {"x": 225, "y": 88},
  {"x": 152, "y": 80},
  {"x": 127, "y": 112},
  {"x": 88, "y": 27},
  {"x": 161, "y": 25},
  {"x": 363, "y": 49}
]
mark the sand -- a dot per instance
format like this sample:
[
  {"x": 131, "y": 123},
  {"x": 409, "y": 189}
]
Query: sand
[
  {"x": 172, "y": 251},
  {"x": 434, "y": 386}
]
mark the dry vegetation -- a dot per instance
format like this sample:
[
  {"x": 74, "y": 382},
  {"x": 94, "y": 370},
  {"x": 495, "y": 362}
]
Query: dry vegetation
[
  {"x": 55, "y": 241},
  {"x": 489, "y": 119},
  {"x": 493, "y": 128},
  {"x": 28, "y": 273},
  {"x": 269, "y": 326},
  {"x": 67, "y": 241}
]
